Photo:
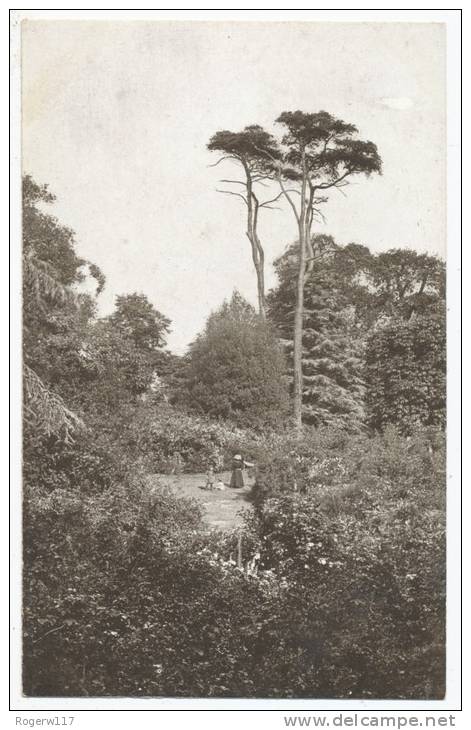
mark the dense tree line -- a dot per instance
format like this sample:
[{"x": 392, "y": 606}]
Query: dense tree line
[{"x": 369, "y": 320}]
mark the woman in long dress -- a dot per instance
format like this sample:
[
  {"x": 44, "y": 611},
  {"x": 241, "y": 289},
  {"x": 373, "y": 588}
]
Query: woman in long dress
[{"x": 237, "y": 476}]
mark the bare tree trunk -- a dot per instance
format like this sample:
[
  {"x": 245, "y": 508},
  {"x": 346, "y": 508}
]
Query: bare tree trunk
[
  {"x": 258, "y": 255},
  {"x": 299, "y": 310},
  {"x": 260, "y": 276},
  {"x": 258, "y": 261},
  {"x": 298, "y": 337},
  {"x": 260, "y": 270},
  {"x": 305, "y": 262},
  {"x": 261, "y": 290}
]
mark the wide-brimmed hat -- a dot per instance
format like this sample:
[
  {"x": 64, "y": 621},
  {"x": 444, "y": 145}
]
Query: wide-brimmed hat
[{"x": 237, "y": 456}]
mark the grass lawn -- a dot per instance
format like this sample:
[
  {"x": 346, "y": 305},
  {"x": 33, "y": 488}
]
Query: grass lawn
[{"x": 221, "y": 508}]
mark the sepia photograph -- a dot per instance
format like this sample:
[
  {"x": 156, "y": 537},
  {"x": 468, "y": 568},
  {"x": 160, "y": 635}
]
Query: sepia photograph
[{"x": 234, "y": 359}]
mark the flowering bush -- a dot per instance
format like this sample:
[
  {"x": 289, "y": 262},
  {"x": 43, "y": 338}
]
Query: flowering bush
[
  {"x": 329, "y": 465},
  {"x": 365, "y": 592}
]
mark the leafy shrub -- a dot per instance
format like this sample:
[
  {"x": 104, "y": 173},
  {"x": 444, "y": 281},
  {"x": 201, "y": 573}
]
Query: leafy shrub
[
  {"x": 116, "y": 600},
  {"x": 125, "y": 594},
  {"x": 405, "y": 373},
  {"x": 170, "y": 440},
  {"x": 325, "y": 462},
  {"x": 365, "y": 592},
  {"x": 91, "y": 463}
]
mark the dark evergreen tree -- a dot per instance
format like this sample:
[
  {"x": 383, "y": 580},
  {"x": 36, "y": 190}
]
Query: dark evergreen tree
[
  {"x": 405, "y": 372},
  {"x": 332, "y": 335},
  {"x": 405, "y": 353},
  {"x": 236, "y": 368},
  {"x": 320, "y": 153}
]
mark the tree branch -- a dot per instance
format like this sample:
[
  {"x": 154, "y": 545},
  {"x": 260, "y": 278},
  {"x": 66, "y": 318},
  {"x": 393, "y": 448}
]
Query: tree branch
[
  {"x": 266, "y": 203},
  {"x": 280, "y": 181},
  {"x": 334, "y": 184},
  {"x": 230, "y": 192},
  {"x": 316, "y": 211},
  {"x": 224, "y": 157},
  {"x": 234, "y": 182}
]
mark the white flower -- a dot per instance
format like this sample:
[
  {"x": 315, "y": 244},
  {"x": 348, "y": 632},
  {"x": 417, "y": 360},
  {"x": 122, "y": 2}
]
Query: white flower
[{"x": 322, "y": 561}]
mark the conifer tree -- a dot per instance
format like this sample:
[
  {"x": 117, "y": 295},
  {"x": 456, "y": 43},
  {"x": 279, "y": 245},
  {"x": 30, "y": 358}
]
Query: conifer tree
[
  {"x": 236, "y": 368},
  {"x": 320, "y": 153},
  {"x": 252, "y": 150},
  {"x": 332, "y": 345}
]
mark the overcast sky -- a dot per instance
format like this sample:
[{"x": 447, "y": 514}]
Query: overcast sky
[{"x": 116, "y": 117}]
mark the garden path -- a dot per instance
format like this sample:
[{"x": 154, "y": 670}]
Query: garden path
[{"x": 221, "y": 509}]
